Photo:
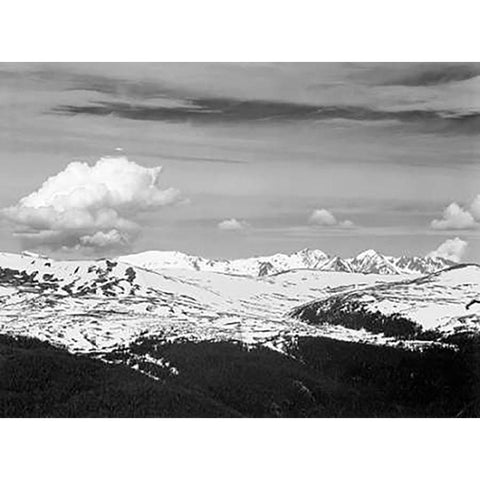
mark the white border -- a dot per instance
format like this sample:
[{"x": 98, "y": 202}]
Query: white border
[
  {"x": 250, "y": 30},
  {"x": 239, "y": 449}
]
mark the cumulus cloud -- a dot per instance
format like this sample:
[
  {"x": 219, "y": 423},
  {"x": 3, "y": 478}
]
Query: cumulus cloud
[
  {"x": 232, "y": 224},
  {"x": 90, "y": 206},
  {"x": 475, "y": 207},
  {"x": 102, "y": 240},
  {"x": 451, "y": 249},
  {"x": 325, "y": 218},
  {"x": 457, "y": 218}
]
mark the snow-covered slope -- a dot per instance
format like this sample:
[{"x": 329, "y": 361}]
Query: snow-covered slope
[
  {"x": 439, "y": 304},
  {"x": 95, "y": 306},
  {"x": 367, "y": 262},
  {"x": 98, "y": 305}
]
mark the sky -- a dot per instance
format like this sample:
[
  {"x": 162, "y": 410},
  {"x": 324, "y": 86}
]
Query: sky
[{"x": 255, "y": 158}]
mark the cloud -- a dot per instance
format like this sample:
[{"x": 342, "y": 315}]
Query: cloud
[
  {"x": 102, "y": 240},
  {"x": 325, "y": 218},
  {"x": 92, "y": 207},
  {"x": 451, "y": 249},
  {"x": 322, "y": 217},
  {"x": 221, "y": 110},
  {"x": 475, "y": 207},
  {"x": 232, "y": 224},
  {"x": 457, "y": 218},
  {"x": 430, "y": 74}
]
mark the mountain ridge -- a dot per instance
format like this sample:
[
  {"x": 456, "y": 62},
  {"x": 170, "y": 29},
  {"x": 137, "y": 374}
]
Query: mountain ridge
[
  {"x": 429, "y": 306},
  {"x": 368, "y": 261}
]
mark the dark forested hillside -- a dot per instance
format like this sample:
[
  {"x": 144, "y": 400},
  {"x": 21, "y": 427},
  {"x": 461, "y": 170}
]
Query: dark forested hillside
[
  {"x": 319, "y": 377},
  {"x": 38, "y": 380}
]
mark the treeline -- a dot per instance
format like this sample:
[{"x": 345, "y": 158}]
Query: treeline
[{"x": 355, "y": 316}]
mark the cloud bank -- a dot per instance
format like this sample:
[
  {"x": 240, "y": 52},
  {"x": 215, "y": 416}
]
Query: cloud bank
[
  {"x": 451, "y": 249},
  {"x": 325, "y": 218},
  {"x": 89, "y": 207}
]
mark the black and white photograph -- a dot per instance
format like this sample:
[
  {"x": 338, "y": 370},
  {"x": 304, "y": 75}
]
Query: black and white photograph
[{"x": 240, "y": 239}]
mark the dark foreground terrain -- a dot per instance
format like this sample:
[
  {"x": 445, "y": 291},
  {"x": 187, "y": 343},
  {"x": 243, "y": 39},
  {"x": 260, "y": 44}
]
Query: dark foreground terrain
[{"x": 320, "y": 378}]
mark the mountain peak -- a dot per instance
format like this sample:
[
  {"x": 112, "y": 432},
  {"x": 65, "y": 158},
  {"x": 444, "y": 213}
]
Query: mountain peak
[{"x": 367, "y": 254}]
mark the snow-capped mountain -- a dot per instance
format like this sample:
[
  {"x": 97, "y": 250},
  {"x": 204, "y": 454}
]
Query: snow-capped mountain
[
  {"x": 368, "y": 262},
  {"x": 99, "y": 306},
  {"x": 255, "y": 266},
  {"x": 421, "y": 265},
  {"x": 336, "y": 264}
]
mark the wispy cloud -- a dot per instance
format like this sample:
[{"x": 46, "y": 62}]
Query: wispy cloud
[
  {"x": 214, "y": 110},
  {"x": 430, "y": 74},
  {"x": 195, "y": 159},
  {"x": 256, "y": 93}
]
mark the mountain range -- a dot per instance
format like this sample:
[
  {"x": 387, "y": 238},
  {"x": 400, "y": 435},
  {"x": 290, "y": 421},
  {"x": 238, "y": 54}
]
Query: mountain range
[
  {"x": 368, "y": 262},
  {"x": 98, "y": 306}
]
